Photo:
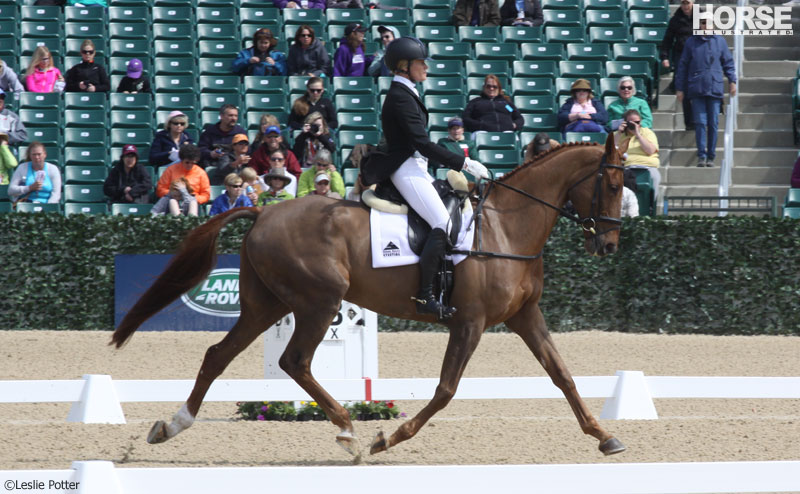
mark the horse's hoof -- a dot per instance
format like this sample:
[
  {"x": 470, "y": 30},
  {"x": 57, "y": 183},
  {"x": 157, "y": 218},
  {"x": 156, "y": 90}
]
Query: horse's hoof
[
  {"x": 378, "y": 444},
  {"x": 612, "y": 446},
  {"x": 351, "y": 444},
  {"x": 158, "y": 433}
]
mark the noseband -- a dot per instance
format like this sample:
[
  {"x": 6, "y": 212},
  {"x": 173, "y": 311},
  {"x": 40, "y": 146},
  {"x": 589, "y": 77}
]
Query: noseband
[{"x": 588, "y": 223}]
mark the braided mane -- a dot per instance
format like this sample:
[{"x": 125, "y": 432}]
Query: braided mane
[{"x": 541, "y": 155}]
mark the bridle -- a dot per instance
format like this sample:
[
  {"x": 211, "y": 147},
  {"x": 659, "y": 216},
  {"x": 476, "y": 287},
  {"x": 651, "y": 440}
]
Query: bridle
[{"x": 588, "y": 223}]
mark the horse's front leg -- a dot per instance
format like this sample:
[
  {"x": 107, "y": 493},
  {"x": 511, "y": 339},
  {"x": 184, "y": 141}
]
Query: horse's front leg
[
  {"x": 529, "y": 324},
  {"x": 463, "y": 340}
]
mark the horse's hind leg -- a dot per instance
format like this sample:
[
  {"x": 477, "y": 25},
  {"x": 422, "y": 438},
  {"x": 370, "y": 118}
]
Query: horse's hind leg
[
  {"x": 311, "y": 324},
  {"x": 260, "y": 309},
  {"x": 529, "y": 324}
]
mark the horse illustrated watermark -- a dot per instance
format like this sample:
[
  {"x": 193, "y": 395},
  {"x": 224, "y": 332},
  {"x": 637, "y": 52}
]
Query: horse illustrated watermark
[{"x": 761, "y": 20}]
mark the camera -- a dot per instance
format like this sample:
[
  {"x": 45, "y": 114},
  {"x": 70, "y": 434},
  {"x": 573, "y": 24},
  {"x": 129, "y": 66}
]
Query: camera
[{"x": 314, "y": 128}]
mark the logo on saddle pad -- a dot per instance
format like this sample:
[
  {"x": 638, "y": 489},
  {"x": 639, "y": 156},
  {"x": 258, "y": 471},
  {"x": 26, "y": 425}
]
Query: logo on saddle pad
[
  {"x": 217, "y": 295},
  {"x": 391, "y": 250}
]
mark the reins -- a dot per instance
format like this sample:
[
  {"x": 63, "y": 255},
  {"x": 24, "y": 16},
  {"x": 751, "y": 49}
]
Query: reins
[{"x": 588, "y": 223}]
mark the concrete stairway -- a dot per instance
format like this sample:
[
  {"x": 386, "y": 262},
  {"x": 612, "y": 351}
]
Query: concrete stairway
[{"x": 764, "y": 151}]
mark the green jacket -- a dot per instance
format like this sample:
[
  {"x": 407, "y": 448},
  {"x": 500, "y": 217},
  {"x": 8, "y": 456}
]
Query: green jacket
[
  {"x": 456, "y": 147},
  {"x": 7, "y": 164},
  {"x": 617, "y": 108},
  {"x": 305, "y": 185},
  {"x": 265, "y": 198}
]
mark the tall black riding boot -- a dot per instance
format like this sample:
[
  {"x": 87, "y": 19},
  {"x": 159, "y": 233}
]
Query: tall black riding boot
[{"x": 429, "y": 262}]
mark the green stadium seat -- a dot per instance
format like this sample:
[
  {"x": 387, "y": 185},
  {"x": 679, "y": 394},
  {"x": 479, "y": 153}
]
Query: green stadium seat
[
  {"x": 142, "y": 119},
  {"x": 608, "y": 87},
  {"x": 182, "y": 101},
  {"x": 127, "y": 30},
  {"x": 85, "y": 118},
  {"x": 496, "y": 140},
  {"x": 84, "y": 30},
  {"x": 227, "y": 49},
  {"x": 40, "y": 117},
  {"x": 220, "y": 83},
  {"x": 383, "y": 17},
  {"x": 173, "y": 14},
  {"x": 602, "y": 4},
  {"x": 83, "y": 174},
  {"x": 265, "y": 102},
  {"x": 85, "y": 101},
  {"x": 84, "y": 193},
  {"x": 29, "y": 45},
  {"x": 475, "y": 68},
  {"x": 264, "y": 84},
  {"x": 350, "y": 175},
  {"x": 358, "y": 121},
  {"x": 648, "y": 34},
  {"x": 38, "y": 207},
  {"x": 453, "y": 104},
  {"x": 353, "y": 85},
  {"x": 431, "y": 17},
  {"x": 608, "y": 34},
  {"x": 648, "y": 18},
  {"x": 218, "y": 14},
  {"x": 349, "y": 138},
  {"x": 543, "y": 51},
  {"x": 73, "y": 46},
  {"x": 540, "y": 122},
  {"x": 444, "y": 50},
  {"x": 442, "y": 68},
  {"x": 309, "y": 17},
  {"x": 633, "y": 68},
  {"x": 496, "y": 51},
  {"x": 9, "y": 28},
  {"x": 427, "y": 4},
  {"x": 9, "y": 12},
  {"x": 599, "y": 137},
  {"x": 84, "y": 14},
  {"x": 139, "y": 137},
  {"x": 174, "y": 84},
  {"x": 129, "y": 14},
  {"x": 792, "y": 198},
  {"x": 564, "y": 84},
  {"x": 429, "y": 34},
  {"x": 354, "y": 102},
  {"x": 647, "y": 4},
  {"x": 791, "y": 212},
  {"x": 5, "y": 207},
  {"x": 499, "y": 158},
  {"x": 173, "y": 31},
  {"x": 174, "y": 48},
  {"x": 41, "y": 13},
  {"x": 214, "y": 32},
  {"x": 535, "y": 68},
  {"x": 252, "y": 118},
  {"x": 588, "y": 51},
  {"x": 174, "y": 66},
  {"x": 564, "y": 34},
  {"x": 9, "y": 47},
  {"x": 28, "y": 100},
  {"x": 473, "y": 34},
  {"x": 521, "y": 34},
  {"x": 71, "y": 208},
  {"x": 50, "y": 136},
  {"x": 250, "y": 15},
  {"x": 581, "y": 69},
  {"x": 346, "y": 16},
  {"x": 213, "y": 66},
  {"x": 130, "y": 48},
  {"x": 384, "y": 82},
  {"x": 443, "y": 85},
  {"x": 84, "y": 156},
  {"x": 605, "y": 18},
  {"x": 561, "y": 4},
  {"x": 131, "y": 209},
  {"x": 633, "y": 51},
  {"x": 214, "y": 101},
  {"x": 562, "y": 18},
  {"x": 535, "y": 104},
  {"x": 531, "y": 85}
]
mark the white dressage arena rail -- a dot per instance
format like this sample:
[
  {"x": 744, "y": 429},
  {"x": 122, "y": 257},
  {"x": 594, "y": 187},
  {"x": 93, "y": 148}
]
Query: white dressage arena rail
[
  {"x": 101, "y": 477},
  {"x": 628, "y": 394}
]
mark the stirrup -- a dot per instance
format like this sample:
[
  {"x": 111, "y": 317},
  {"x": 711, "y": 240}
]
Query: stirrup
[{"x": 432, "y": 306}]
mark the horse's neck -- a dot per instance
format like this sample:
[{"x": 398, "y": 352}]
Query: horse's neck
[{"x": 522, "y": 221}]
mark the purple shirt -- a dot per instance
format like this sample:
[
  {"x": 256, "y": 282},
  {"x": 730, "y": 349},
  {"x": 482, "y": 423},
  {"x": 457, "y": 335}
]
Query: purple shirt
[
  {"x": 349, "y": 64},
  {"x": 312, "y": 4}
]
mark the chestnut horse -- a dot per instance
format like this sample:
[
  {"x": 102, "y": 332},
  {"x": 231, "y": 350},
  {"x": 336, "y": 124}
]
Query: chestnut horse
[{"x": 305, "y": 256}]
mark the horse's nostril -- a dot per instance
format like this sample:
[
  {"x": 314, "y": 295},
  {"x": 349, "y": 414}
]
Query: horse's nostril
[{"x": 610, "y": 248}]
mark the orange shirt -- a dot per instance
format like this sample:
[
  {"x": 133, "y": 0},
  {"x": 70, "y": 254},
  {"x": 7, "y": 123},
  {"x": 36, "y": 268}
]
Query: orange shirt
[{"x": 196, "y": 176}]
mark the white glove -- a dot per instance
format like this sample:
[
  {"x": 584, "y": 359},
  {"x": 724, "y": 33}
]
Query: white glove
[
  {"x": 475, "y": 168},
  {"x": 173, "y": 155}
]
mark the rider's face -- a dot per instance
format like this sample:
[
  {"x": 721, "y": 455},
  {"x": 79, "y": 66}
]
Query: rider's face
[{"x": 418, "y": 70}]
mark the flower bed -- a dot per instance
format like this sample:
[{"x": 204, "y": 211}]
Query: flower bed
[{"x": 286, "y": 411}]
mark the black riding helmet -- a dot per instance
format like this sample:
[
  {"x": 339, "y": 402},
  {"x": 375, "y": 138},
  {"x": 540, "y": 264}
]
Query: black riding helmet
[{"x": 405, "y": 48}]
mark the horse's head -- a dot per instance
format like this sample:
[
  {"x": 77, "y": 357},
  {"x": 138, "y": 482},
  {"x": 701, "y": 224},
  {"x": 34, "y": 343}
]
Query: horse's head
[{"x": 597, "y": 197}]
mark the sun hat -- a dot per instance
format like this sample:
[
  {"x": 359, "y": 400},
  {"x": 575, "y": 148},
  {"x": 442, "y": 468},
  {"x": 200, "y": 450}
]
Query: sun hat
[
  {"x": 278, "y": 172},
  {"x": 581, "y": 84}
]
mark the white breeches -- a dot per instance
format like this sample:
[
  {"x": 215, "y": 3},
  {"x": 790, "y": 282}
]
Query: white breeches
[{"x": 414, "y": 183}]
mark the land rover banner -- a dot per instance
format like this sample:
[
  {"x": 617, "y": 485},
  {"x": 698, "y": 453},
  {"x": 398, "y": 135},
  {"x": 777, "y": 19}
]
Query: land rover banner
[{"x": 212, "y": 305}]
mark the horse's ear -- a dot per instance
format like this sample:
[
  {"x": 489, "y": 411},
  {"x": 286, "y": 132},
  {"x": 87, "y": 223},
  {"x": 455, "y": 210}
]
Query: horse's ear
[{"x": 612, "y": 154}]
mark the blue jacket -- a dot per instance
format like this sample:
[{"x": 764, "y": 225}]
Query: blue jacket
[
  {"x": 699, "y": 72},
  {"x": 221, "y": 203},
  {"x": 163, "y": 145},
  {"x": 242, "y": 66},
  {"x": 601, "y": 117}
]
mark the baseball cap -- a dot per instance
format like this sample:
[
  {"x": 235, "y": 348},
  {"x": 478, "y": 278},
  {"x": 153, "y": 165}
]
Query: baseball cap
[
  {"x": 354, "y": 26},
  {"x": 273, "y": 129},
  {"x": 322, "y": 175},
  {"x": 239, "y": 138},
  {"x": 130, "y": 149},
  {"x": 134, "y": 68},
  {"x": 455, "y": 122},
  {"x": 175, "y": 113}
]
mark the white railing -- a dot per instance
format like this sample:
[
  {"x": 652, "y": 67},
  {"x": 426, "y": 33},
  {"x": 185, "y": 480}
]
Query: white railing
[
  {"x": 731, "y": 123},
  {"x": 101, "y": 477},
  {"x": 628, "y": 394}
]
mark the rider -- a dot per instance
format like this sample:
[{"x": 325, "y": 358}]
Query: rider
[{"x": 404, "y": 119}]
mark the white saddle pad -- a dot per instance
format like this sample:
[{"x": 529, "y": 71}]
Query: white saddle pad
[{"x": 389, "y": 239}]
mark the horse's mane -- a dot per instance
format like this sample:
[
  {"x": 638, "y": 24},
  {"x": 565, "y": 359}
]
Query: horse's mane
[{"x": 536, "y": 159}]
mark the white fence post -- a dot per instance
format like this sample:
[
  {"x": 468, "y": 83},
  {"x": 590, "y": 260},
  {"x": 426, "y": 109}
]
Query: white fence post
[
  {"x": 96, "y": 477},
  {"x": 99, "y": 403},
  {"x": 631, "y": 399}
]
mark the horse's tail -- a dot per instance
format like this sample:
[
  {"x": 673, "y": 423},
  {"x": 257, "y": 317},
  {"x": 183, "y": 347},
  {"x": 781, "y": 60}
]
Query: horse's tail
[{"x": 194, "y": 260}]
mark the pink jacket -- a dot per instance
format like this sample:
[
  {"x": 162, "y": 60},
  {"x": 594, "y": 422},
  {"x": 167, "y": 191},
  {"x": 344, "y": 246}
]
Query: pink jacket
[{"x": 42, "y": 82}]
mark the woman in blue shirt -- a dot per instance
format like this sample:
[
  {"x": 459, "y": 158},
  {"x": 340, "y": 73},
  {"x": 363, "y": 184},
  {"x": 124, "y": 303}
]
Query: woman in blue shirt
[
  {"x": 259, "y": 59},
  {"x": 232, "y": 197}
]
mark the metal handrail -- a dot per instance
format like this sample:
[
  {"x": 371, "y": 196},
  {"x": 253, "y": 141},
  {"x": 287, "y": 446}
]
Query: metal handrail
[{"x": 731, "y": 123}]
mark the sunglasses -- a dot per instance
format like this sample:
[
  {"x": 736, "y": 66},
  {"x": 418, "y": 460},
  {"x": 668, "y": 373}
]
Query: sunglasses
[
  {"x": 236, "y": 186},
  {"x": 276, "y": 159},
  {"x": 635, "y": 121},
  {"x": 491, "y": 86},
  {"x": 387, "y": 36},
  {"x": 626, "y": 88},
  {"x": 44, "y": 59},
  {"x": 316, "y": 90},
  {"x": 324, "y": 163},
  {"x": 305, "y": 35},
  {"x": 182, "y": 124},
  {"x": 87, "y": 52}
]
